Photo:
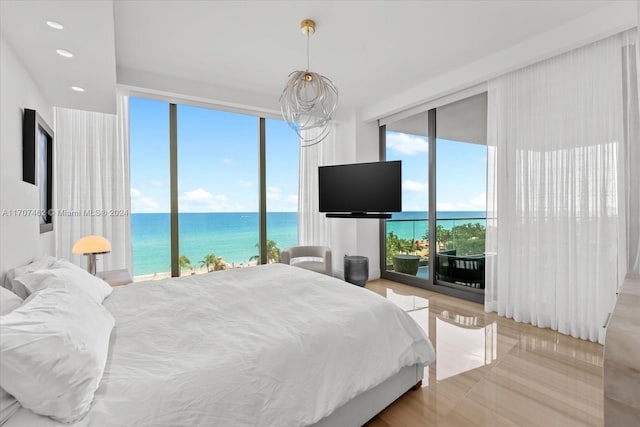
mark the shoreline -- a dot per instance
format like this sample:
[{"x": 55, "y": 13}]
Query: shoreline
[{"x": 201, "y": 270}]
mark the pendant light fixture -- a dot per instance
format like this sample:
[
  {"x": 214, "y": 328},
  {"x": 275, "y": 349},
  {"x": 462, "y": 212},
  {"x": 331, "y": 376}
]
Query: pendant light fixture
[{"x": 309, "y": 100}]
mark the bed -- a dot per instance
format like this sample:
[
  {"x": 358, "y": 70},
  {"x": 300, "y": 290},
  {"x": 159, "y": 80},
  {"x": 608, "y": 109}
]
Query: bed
[{"x": 272, "y": 345}]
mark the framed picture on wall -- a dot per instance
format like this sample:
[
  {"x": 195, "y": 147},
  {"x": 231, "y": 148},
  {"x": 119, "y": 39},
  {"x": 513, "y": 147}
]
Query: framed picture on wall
[{"x": 37, "y": 163}]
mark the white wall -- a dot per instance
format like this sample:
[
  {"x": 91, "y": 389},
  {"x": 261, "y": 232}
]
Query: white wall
[
  {"x": 20, "y": 238},
  {"x": 356, "y": 142}
]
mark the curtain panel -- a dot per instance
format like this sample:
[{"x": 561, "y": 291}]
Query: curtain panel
[
  {"x": 92, "y": 193},
  {"x": 313, "y": 227},
  {"x": 631, "y": 121},
  {"x": 558, "y": 191}
]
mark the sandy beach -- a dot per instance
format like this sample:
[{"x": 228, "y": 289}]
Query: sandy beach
[{"x": 202, "y": 270}]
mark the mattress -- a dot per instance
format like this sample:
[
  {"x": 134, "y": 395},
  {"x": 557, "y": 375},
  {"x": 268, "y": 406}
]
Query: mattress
[{"x": 271, "y": 345}]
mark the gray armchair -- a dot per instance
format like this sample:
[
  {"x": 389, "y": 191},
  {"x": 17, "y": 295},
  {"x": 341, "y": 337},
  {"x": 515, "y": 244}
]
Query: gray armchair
[{"x": 316, "y": 258}]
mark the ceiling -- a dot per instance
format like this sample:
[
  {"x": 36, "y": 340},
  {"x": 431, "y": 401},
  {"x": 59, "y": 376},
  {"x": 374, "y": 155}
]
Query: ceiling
[{"x": 241, "y": 52}]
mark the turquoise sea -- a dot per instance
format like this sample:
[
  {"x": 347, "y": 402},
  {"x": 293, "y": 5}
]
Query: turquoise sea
[{"x": 234, "y": 236}]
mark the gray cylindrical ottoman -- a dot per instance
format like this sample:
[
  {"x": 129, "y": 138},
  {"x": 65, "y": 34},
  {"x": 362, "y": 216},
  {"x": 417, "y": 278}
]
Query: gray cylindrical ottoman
[{"x": 356, "y": 269}]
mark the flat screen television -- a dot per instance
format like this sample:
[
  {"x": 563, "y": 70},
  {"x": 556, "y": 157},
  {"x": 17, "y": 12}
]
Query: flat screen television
[{"x": 360, "y": 190}]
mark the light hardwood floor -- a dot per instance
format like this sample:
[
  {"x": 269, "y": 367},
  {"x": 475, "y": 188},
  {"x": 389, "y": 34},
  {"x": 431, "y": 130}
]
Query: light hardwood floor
[{"x": 493, "y": 371}]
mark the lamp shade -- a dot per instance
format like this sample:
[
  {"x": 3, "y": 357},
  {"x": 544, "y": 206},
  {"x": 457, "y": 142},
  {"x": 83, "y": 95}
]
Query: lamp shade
[{"x": 91, "y": 245}]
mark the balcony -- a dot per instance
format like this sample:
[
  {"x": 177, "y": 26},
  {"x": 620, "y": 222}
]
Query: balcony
[{"x": 460, "y": 249}]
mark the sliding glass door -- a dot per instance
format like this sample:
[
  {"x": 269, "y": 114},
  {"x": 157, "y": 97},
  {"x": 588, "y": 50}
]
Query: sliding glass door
[
  {"x": 438, "y": 239},
  {"x": 461, "y": 192},
  {"x": 406, "y": 234}
]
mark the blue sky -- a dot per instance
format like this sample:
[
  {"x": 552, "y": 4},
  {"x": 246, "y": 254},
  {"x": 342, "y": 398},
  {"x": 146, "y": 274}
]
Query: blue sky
[
  {"x": 460, "y": 177},
  {"x": 218, "y": 164},
  {"x": 217, "y": 160}
]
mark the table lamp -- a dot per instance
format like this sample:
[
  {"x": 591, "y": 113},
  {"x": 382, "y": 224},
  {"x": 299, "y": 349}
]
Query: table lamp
[{"x": 91, "y": 246}]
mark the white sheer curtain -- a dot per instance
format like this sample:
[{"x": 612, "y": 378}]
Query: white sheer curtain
[
  {"x": 556, "y": 232},
  {"x": 92, "y": 183},
  {"x": 631, "y": 73},
  {"x": 313, "y": 227}
]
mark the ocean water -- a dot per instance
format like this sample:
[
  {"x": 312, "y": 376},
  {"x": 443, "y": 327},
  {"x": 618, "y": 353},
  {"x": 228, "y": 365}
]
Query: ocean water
[{"x": 234, "y": 236}]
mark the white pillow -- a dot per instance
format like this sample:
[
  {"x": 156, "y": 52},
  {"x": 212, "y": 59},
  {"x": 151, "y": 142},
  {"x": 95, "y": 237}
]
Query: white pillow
[
  {"x": 63, "y": 263},
  {"x": 36, "y": 264},
  {"x": 8, "y": 404},
  {"x": 75, "y": 279},
  {"x": 53, "y": 351},
  {"x": 8, "y": 301}
]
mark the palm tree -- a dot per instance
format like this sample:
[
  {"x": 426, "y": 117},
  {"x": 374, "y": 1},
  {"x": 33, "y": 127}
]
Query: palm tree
[
  {"x": 219, "y": 264},
  {"x": 209, "y": 261},
  {"x": 273, "y": 252},
  {"x": 184, "y": 262}
]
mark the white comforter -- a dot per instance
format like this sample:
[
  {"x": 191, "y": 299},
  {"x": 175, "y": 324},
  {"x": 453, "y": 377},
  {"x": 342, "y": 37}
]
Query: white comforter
[{"x": 268, "y": 346}]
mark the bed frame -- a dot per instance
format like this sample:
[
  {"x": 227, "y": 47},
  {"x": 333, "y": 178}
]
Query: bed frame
[{"x": 367, "y": 405}]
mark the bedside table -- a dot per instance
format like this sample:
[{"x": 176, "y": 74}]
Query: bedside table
[{"x": 115, "y": 277}]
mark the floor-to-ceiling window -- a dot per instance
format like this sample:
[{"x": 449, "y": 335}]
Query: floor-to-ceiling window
[
  {"x": 149, "y": 157},
  {"x": 438, "y": 240},
  {"x": 217, "y": 188},
  {"x": 219, "y": 185},
  {"x": 282, "y": 167}
]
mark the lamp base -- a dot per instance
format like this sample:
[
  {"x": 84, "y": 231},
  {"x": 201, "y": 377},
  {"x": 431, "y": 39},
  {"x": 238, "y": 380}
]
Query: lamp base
[{"x": 91, "y": 263}]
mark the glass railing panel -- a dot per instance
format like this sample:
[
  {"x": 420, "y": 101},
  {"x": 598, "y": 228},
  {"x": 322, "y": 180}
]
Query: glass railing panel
[
  {"x": 459, "y": 246},
  {"x": 407, "y": 247},
  {"x": 461, "y": 251}
]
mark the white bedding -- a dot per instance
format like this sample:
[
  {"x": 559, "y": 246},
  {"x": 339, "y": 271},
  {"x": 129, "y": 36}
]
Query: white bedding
[{"x": 272, "y": 345}]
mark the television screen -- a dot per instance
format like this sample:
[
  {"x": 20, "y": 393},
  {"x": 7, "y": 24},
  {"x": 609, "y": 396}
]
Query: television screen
[{"x": 361, "y": 187}]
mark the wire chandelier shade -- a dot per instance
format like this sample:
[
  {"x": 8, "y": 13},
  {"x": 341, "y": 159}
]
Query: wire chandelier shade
[{"x": 309, "y": 100}]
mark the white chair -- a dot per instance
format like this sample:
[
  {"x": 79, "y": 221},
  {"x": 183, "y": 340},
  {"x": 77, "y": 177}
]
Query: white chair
[{"x": 316, "y": 258}]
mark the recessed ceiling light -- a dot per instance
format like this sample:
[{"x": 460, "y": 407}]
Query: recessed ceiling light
[
  {"x": 77, "y": 88},
  {"x": 55, "y": 25},
  {"x": 65, "y": 53}
]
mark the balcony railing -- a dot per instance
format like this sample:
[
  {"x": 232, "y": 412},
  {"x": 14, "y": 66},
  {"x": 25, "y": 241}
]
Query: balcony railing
[{"x": 459, "y": 244}]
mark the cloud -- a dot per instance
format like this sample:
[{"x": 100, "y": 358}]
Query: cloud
[
  {"x": 292, "y": 198},
  {"x": 201, "y": 200},
  {"x": 226, "y": 160},
  {"x": 407, "y": 144},
  {"x": 446, "y": 206},
  {"x": 148, "y": 203},
  {"x": 197, "y": 195},
  {"x": 478, "y": 203},
  {"x": 274, "y": 193},
  {"x": 410, "y": 185},
  {"x": 281, "y": 202},
  {"x": 141, "y": 203}
]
